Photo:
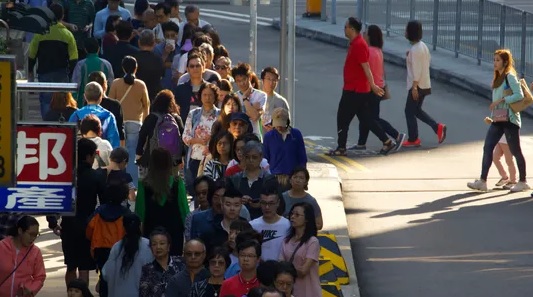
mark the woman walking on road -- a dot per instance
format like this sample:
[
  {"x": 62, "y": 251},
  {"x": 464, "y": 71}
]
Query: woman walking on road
[
  {"x": 505, "y": 90},
  {"x": 374, "y": 37},
  {"x": 418, "y": 86},
  {"x": 507, "y": 181}
]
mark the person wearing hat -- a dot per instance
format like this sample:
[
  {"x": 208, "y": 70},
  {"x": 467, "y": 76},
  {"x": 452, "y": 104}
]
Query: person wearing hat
[
  {"x": 78, "y": 288},
  {"x": 284, "y": 147},
  {"x": 116, "y": 171},
  {"x": 239, "y": 124}
]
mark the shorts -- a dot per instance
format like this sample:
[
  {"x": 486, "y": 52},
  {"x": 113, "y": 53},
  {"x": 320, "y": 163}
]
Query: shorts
[{"x": 77, "y": 251}]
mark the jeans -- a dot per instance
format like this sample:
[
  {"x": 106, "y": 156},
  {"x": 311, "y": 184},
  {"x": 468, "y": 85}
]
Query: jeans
[
  {"x": 353, "y": 104},
  {"x": 413, "y": 110},
  {"x": 131, "y": 133},
  {"x": 374, "y": 109},
  {"x": 46, "y": 98},
  {"x": 512, "y": 134}
]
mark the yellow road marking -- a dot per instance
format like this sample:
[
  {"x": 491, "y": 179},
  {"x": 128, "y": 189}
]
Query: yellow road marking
[{"x": 338, "y": 163}]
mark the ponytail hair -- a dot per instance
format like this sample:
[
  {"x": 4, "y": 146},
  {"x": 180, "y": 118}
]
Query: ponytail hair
[
  {"x": 129, "y": 65},
  {"x": 24, "y": 223},
  {"x": 130, "y": 242}
]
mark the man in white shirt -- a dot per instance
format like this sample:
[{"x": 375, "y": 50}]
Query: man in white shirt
[
  {"x": 162, "y": 13},
  {"x": 253, "y": 100},
  {"x": 192, "y": 16},
  {"x": 271, "y": 225},
  {"x": 270, "y": 78}
]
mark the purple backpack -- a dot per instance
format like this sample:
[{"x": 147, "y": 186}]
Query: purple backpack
[{"x": 167, "y": 135}]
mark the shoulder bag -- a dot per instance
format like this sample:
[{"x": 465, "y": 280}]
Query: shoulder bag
[{"x": 526, "y": 101}]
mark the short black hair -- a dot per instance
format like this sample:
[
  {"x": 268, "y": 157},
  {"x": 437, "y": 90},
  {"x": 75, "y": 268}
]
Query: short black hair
[
  {"x": 200, "y": 38},
  {"x": 413, "y": 31},
  {"x": 86, "y": 147},
  {"x": 219, "y": 251},
  {"x": 140, "y": 6},
  {"x": 91, "y": 45},
  {"x": 109, "y": 23},
  {"x": 172, "y": 3},
  {"x": 266, "y": 272},
  {"x": 98, "y": 76},
  {"x": 232, "y": 191},
  {"x": 271, "y": 70},
  {"x": 240, "y": 225},
  {"x": 58, "y": 11},
  {"x": 164, "y": 6},
  {"x": 124, "y": 30},
  {"x": 355, "y": 23},
  {"x": 243, "y": 69},
  {"x": 191, "y": 9},
  {"x": 248, "y": 244},
  {"x": 170, "y": 26}
]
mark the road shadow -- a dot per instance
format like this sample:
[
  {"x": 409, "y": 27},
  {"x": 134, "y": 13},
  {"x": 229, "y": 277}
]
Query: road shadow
[
  {"x": 445, "y": 203},
  {"x": 483, "y": 250}
]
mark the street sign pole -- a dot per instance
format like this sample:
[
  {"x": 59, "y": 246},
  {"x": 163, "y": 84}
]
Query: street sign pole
[
  {"x": 253, "y": 35},
  {"x": 291, "y": 65},
  {"x": 283, "y": 48},
  {"x": 8, "y": 115}
]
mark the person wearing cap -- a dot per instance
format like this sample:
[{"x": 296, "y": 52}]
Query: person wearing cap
[
  {"x": 239, "y": 124},
  {"x": 284, "y": 147},
  {"x": 78, "y": 288}
]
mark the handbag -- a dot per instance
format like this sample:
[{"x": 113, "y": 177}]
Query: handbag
[
  {"x": 500, "y": 115},
  {"x": 526, "y": 101}
]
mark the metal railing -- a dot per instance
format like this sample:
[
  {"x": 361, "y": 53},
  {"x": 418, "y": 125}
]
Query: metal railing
[
  {"x": 24, "y": 88},
  {"x": 473, "y": 28}
]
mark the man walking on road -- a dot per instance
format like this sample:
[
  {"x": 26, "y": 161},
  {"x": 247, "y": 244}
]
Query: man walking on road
[
  {"x": 418, "y": 86},
  {"x": 356, "y": 93}
]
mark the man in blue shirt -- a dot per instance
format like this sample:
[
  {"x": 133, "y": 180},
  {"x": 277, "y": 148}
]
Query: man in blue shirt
[
  {"x": 93, "y": 95},
  {"x": 112, "y": 8}
]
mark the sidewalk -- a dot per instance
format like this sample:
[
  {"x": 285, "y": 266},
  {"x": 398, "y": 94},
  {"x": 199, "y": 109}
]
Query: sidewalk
[{"x": 462, "y": 72}]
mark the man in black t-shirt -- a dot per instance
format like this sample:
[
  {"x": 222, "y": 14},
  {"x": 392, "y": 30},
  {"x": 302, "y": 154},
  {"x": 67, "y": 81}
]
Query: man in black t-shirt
[{"x": 150, "y": 67}]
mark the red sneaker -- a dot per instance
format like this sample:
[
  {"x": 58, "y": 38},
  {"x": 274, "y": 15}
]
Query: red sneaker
[
  {"x": 415, "y": 143},
  {"x": 441, "y": 133}
]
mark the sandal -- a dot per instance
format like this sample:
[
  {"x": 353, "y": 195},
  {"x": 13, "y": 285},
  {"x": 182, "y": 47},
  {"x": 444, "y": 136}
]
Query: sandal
[
  {"x": 387, "y": 147},
  {"x": 337, "y": 152}
]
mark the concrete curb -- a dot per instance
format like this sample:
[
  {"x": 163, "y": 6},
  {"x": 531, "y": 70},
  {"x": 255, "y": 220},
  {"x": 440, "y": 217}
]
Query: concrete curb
[
  {"x": 393, "y": 56},
  {"x": 326, "y": 187}
]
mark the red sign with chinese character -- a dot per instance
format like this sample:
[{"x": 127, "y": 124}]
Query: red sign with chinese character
[{"x": 46, "y": 154}]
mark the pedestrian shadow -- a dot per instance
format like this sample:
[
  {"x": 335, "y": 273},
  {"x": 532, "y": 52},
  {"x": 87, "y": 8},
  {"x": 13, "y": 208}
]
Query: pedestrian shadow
[
  {"x": 477, "y": 250},
  {"x": 445, "y": 203}
]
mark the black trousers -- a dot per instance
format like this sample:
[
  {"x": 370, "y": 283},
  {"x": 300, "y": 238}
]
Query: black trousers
[
  {"x": 374, "y": 109},
  {"x": 413, "y": 110},
  {"x": 353, "y": 104},
  {"x": 512, "y": 135}
]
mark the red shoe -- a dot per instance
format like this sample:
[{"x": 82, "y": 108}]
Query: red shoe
[
  {"x": 441, "y": 133},
  {"x": 415, "y": 143}
]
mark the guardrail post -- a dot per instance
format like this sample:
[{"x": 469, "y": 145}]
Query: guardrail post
[
  {"x": 435, "y": 23},
  {"x": 360, "y": 9},
  {"x": 333, "y": 12},
  {"x": 458, "y": 27},
  {"x": 412, "y": 9},
  {"x": 388, "y": 17},
  {"x": 523, "y": 45},
  {"x": 323, "y": 9},
  {"x": 502, "y": 26},
  {"x": 365, "y": 12},
  {"x": 480, "y": 31}
]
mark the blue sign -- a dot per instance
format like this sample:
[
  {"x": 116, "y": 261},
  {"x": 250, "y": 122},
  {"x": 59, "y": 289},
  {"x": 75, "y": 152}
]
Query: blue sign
[{"x": 38, "y": 198}]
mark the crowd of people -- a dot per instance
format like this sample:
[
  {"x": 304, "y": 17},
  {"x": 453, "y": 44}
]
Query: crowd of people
[{"x": 191, "y": 180}]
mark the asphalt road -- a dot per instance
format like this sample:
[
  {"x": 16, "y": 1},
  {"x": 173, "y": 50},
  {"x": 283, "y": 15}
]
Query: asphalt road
[{"x": 415, "y": 229}]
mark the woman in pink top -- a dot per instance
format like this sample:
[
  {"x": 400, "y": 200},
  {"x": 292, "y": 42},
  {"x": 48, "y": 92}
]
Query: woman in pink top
[
  {"x": 22, "y": 267},
  {"x": 374, "y": 38},
  {"x": 301, "y": 248}
]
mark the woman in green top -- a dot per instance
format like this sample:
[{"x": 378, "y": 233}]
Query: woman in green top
[
  {"x": 506, "y": 89},
  {"x": 162, "y": 200}
]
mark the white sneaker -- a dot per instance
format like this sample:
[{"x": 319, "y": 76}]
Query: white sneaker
[
  {"x": 479, "y": 185},
  {"x": 509, "y": 185},
  {"x": 519, "y": 187},
  {"x": 502, "y": 182}
]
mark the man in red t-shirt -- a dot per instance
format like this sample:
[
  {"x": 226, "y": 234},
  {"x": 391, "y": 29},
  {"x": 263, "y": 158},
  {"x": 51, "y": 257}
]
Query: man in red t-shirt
[
  {"x": 356, "y": 92},
  {"x": 249, "y": 253}
]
